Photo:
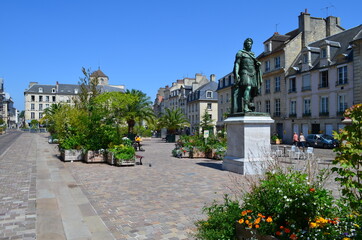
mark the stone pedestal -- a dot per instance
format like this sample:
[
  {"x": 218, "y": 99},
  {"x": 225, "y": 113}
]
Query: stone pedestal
[{"x": 249, "y": 146}]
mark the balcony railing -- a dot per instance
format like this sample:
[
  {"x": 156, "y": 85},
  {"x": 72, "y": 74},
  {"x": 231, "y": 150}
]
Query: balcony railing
[
  {"x": 323, "y": 85},
  {"x": 307, "y": 114},
  {"x": 292, "y": 90},
  {"x": 324, "y": 114},
  {"x": 306, "y": 88},
  {"x": 276, "y": 114},
  {"x": 292, "y": 115},
  {"x": 267, "y": 91},
  {"x": 341, "y": 82},
  {"x": 340, "y": 113}
]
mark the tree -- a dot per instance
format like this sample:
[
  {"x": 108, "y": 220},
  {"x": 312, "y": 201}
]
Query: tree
[
  {"x": 173, "y": 120},
  {"x": 48, "y": 118},
  {"x": 139, "y": 111},
  {"x": 349, "y": 158},
  {"x": 206, "y": 123},
  {"x": 88, "y": 90}
]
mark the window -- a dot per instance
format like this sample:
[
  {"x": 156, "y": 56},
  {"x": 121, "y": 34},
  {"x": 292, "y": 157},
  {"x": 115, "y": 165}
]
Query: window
[
  {"x": 292, "y": 85},
  {"x": 277, "y": 62},
  {"x": 40, "y": 89},
  {"x": 267, "y": 66},
  {"x": 221, "y": 99},
  {"x": 342, "y": 75},
  {"x": 323, "y": 108},
  {"x": 324, "y": 53},
  {"x": 32, "y": 98},
  {"x": 277, "y": 108},
  {"x": 267, "y": 106},
  {"x": 47, "y": 98},
  {"x": 293, "y": 108},
  {"x": 342, "y": 103},
  {"x": 306, "y": 82},
  {"x": 227, "y": 98},
  {"x": 209, "y": 106},
  {"x": 40, "y": 115},
  {"x": 267, "y": 47},
  {"x": 267, "y": 86},
  {"x": 32, "y": 115},
  {"x": 306, "y": 107},
  {"x": 323, "y": 79},
  {"x": 32, "y": 106},
  {"x": 305, "y": 58},
  {"x": 277, "y": 84},
  {"x": 53, "y": 98},
  {"x": 46, "y": 105},
  {"x": 53, "y": 90},
  {"x": 209, "y": 94},
  {"x": 40, "y": 98},
  {"x": 40, "y": 107},
  {"x": 222, "y": 115}
]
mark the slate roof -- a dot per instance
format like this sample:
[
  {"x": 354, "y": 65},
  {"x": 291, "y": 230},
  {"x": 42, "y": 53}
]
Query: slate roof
[
  {"x": 67, "y": 89},
  {"x": 339, "y": 49},
  {"x": 200, "y": 93},
  {"x": 98, "y": 73}
]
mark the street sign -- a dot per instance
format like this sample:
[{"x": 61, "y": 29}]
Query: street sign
[{"x": 206, "y": 133}]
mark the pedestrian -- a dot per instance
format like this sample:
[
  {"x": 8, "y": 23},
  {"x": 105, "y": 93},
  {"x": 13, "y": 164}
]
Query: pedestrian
[
  {"x": 295, "y": 139},
  {"x": 302, "y": 140}
]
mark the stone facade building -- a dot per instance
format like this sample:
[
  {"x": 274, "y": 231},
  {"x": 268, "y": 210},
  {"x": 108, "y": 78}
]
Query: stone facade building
[{"x": 38, "y": 97}]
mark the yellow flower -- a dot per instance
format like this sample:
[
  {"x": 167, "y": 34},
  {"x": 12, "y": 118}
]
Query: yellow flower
[
  {"x": 312, "y": 225},
  {"x": 346, "y": 239},
  {"x": 247, "y": 222},
  {"x": 269, "y": 219},
  {"x": 241, "y": 221}
]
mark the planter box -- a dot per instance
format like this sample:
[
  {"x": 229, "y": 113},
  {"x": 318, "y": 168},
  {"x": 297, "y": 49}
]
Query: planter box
[
  {"x": 71, "y": 155},
  {"x": 197, "y": 154},
  {"x": 114, "y": 161},
  {"x": 250, "y": 234},
  {"x": 95, "y": 156}
]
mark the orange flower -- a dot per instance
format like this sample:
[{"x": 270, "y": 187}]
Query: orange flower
[
  {"x": 260, "y": 215},
  {"x": 243, "y": 213},
  {"x": 311, "y": 190},
  {"x": 293, "y": 237},
  {"x": 278, "y": 233},
  {"x": 247, "y": 222},
  {"x": 269, "y": 219},
  {"x": 287, "y": 230},
  {"x": 281, "y": 227},
  {"x": 257, "y": 220},
  {"x": 241, "y": 221},
  {"x": 249, "y": 217},
  {"x": 257, "y": 226}
]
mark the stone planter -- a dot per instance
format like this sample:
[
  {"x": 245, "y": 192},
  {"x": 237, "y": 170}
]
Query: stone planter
[
  {"x": 95, "y": 156},
  {"x": 119, "y": 162},
  {"x": 243, "y": 233},
  {"x": 196, "y": 153},
  {"x": 71, "y": 155}
]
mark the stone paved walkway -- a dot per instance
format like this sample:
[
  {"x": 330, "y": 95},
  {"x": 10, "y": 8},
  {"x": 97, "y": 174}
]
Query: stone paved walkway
[{"x": 44, "y": 198}]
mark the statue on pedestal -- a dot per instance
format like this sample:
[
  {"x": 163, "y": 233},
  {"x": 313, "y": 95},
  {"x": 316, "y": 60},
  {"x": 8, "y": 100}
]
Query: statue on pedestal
[{"x": 247, "y": 80}]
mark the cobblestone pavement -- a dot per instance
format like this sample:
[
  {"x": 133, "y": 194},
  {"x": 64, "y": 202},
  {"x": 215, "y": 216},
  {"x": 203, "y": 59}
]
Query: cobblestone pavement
[
  {"x": 18, "y": 190},
  {"x": 164, "y": 197}
]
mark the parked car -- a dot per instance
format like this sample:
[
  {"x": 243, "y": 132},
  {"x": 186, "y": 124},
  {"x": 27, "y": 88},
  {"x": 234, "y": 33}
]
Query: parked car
[{"x": 321, "y": 140}]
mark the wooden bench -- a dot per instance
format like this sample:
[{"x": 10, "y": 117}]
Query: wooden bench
[{"x": 140, "y": 158}]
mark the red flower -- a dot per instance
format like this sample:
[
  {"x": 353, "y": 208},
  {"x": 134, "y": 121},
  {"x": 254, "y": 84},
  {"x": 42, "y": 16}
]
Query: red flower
[
  {"x": 287, "y": 230},
  {"x": 278, "y": 233},
  {"x": 293, "y": 237},
  {"x": 311, "y": 190}
]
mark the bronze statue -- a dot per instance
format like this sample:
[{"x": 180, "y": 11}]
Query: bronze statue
[{"x": 247, "y": 79}]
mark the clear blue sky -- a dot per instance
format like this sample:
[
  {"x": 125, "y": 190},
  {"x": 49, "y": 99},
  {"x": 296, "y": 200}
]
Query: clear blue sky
[{"x": 143, "y": 44}]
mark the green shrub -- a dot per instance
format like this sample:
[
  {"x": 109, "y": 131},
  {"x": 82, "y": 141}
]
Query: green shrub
[{"x": 220, "y": 222}]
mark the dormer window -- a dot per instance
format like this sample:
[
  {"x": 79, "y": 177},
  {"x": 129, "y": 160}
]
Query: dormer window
[
  {"x": 324, "y": 52},
  {"x": 209, "y": 94},
  {"x": 53, "y": 90},
  {"x": 305, "y": 58},
  {"x": 267, "y": 47},
  {"x": 40, "y": 89},
  {"x": 76, "y": 90}
]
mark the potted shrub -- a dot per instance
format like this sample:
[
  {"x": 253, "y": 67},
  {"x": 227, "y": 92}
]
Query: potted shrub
[
  {"x": 122, "y": 154},
  {"x": 70, "y": 149}
]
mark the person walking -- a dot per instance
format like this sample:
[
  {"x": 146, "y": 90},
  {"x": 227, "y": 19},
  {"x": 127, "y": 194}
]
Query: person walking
[
  {"x": 295, "y": 139},
  {"x": 302, "y": 141}
]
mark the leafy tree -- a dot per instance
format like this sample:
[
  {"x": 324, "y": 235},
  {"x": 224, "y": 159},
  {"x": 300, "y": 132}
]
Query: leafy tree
[
  {"x": 206, "y": 123},
  {"x": 173, "y": 119},
  {"x": 88, "y": 90},
  {"x": 349, "y": 158},
  {"x": 48, "y": 118},
  {"x": 139, "y": 111},
  {"x": 34, "y": 123}
]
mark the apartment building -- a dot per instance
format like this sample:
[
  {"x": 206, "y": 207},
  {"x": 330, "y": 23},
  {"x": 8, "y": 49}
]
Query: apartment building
[
  {"x": 323, "y": 81},
  {"x": 224, "y": 98},
  {"x": 38, "y": 97}
]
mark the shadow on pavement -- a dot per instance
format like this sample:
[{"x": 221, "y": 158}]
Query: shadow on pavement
[{"x": 217, "y": 166}]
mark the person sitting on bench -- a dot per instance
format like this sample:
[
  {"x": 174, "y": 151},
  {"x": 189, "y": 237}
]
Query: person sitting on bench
[{"x": 138, "y": 141}]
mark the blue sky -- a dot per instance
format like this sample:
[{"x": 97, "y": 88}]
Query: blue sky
[{"x": 143, "y": 44}]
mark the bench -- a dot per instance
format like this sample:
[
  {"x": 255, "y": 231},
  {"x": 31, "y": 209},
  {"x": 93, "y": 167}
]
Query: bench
[{"x": 140, "y": 158}]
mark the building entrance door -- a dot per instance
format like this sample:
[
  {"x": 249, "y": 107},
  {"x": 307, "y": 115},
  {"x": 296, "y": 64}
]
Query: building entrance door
[{"x": 316, "y": 128}]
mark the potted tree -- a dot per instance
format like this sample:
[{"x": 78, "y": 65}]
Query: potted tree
[
  {"x": 173, "y": 120},
  {"x": 122, "y": 154}
]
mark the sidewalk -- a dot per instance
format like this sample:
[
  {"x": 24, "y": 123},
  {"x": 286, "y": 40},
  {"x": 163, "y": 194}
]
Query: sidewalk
[{"x": 40, "y": 199}]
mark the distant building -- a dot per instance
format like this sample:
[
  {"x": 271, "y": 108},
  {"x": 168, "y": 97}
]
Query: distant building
[
  {"x": 38, "y": 97},
  {"x": 7, "y": 110}
]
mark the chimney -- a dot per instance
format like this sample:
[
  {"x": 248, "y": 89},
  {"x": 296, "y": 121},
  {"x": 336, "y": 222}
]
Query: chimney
[
  {"x": 212, "y": 78},
  {"x": 332, "y": 24},
  {"x": 32, "y": 84},
  {"x": 304, "y": 27}
]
